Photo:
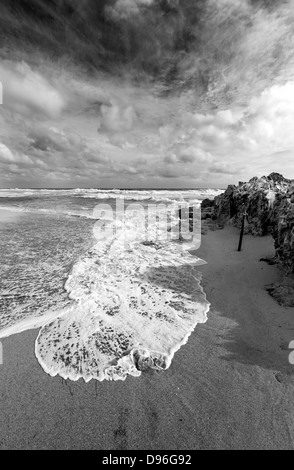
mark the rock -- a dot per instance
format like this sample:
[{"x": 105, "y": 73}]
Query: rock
[
  {"x": 142, "y": 359},
  {"x": 206, "y": 204},
  {"x": 270, "y": 261},
  {"x": 269, "y": 205},
  {"x": 206, "y": 215},
  {"x": 278, "y": 178},
  {"x": 283, "y": 292}
]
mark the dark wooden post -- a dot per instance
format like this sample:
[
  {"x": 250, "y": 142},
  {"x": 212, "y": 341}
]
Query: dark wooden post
[
  {"x": 191, "y": 219},
  {"x": 242, "y": 232}
]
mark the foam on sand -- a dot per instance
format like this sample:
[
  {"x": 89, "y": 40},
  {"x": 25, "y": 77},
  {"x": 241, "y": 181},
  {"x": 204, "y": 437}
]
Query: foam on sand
[{"x": 135, "y": 303}]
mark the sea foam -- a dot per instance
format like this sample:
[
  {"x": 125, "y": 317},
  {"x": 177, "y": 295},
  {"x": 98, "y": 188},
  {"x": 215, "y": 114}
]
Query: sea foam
[{"x": 134, "y": 304}]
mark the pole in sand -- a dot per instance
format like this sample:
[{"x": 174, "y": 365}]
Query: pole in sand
[{"x": 242, "y": 231}]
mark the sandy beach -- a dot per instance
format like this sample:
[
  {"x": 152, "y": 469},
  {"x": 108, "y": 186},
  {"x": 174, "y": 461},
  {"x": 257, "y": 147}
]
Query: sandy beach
[{"x": 230, "y": 387}]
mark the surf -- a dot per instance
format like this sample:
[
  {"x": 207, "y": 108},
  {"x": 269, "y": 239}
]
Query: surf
[{"x": 134, "y": 304}]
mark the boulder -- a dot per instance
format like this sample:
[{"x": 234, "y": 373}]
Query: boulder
[{"x": 269, "y": 206}]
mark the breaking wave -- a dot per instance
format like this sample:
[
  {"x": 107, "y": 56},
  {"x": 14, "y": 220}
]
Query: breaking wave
[
  {"x": 86, "y": 214},
  {"x": 138, "y": 195},
  {"x": 134, "y": 304},
  {"x": 130, "y": 302}
]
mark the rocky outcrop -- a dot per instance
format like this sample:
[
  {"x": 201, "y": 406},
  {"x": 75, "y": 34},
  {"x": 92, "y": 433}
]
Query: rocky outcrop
[
  {"x": 283, "y": 291},
  {"x": 269, "y": 205}
]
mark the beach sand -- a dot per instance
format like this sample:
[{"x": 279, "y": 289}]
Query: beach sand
[{"x": 230, "y": 387}]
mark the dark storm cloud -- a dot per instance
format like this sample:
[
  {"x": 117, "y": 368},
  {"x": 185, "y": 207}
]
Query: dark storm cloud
[
  {"x": 179, "y": 44},
  {"x": 103, "y": 34}
]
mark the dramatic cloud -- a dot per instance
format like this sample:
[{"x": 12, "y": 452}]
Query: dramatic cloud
[
  {"x": 150, "y": 92},
  {"x": 270, "y": 118},
  {"x": 116, "y": 118},
  {"x": 123, "y": 9},
  {"x": 51, "y": 139},
  {"x": 6, "y": 154},
  {"x": 26, "y": 91}
]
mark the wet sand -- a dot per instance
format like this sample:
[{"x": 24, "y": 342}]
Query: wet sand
[{"x": 230, "y": 387}]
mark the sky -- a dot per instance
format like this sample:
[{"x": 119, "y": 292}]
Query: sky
[{"x": 145, "y": 93}]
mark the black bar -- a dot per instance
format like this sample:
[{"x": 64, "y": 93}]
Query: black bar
[{"x": 241, "y": 233}]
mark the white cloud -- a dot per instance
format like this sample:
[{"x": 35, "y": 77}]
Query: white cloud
[
  {"x": 171, "y": 159},
  {"x": 53, "y": 139},
  {"x": 223, "y": 168},
  {"x": 229, "y": 140},
  {"x": 169, "y": 134},
  {"x": 269, "y": 121},
  {"x": 6, "y": 154},
  {"x": 117, "y": 118},
  {"x": 125, "y": 8},
  {"x": 28, "y": 92},
  {"x": 194, "y": 155}
]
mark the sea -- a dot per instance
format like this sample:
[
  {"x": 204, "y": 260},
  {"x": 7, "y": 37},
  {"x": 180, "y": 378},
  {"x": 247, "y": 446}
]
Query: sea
[{"x": 109, "y": 277}]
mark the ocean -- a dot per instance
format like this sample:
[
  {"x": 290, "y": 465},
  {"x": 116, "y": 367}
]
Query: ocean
[{"x": 104, "y": 275}]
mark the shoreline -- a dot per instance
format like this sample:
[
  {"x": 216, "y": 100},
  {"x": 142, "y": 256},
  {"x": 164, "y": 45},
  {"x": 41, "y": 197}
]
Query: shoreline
[{"x": 230, "y": 387}]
